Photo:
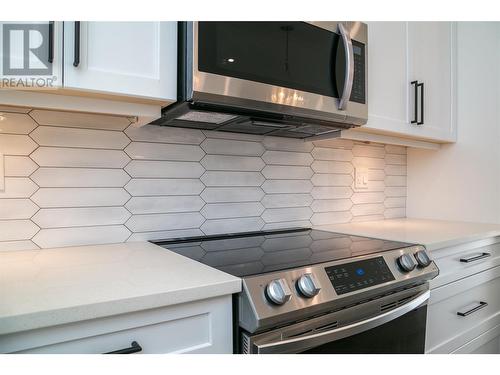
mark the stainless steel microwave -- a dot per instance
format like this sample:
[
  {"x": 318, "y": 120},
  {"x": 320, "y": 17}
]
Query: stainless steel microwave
[{"x": 289, "y": 79}]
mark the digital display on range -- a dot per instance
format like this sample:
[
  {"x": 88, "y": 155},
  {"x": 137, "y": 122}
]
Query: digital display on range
[{"x": 362, "y": 274}]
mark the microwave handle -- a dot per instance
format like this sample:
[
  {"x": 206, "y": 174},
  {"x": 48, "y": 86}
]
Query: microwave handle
[
  {"x": 349, "y": 62},
  {"x": 298, "y": 344}
]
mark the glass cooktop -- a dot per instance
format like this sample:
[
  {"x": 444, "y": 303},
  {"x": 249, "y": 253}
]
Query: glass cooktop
[{"x": 245, "y": 254}]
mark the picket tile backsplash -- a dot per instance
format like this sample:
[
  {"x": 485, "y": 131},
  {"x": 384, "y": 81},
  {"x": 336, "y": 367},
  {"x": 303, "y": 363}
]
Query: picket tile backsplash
[{"x": 79, "y": 178}]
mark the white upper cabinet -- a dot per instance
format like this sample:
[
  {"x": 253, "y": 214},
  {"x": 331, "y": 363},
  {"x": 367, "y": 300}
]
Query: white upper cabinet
[
  {"x": 137, "y": 59},
  {"x": 400, "y": 53}
]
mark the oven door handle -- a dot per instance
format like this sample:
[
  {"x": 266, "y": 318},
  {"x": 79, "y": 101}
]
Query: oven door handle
[
  {"x": 298, "y": 344},
  {"x": 349, "y": 66}
]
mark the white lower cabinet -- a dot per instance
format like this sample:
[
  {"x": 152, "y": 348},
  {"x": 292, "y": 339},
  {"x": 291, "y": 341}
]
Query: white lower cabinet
[
  {"x": 196, "y": 327},
  {"x": 463, "y": 315}
]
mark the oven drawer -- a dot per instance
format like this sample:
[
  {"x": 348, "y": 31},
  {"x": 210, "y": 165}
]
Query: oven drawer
[
  {"x": 460, "y": 311},
  {"x": 461, "y": 261}
]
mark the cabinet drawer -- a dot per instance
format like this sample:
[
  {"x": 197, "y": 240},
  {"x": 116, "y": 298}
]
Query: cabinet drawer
[
  {"x": 460, "y": 311},
  {"x": 487, "y": 343},
  {"x": 466, "y": 260}
]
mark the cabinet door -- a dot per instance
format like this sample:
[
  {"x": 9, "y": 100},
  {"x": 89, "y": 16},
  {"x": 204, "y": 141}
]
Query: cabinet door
[
  {"x": 387, "y": 88},
  {"x": 126, "y": 58},
  {"x": 431, "y": 49},
  {"x": 33, "y": 49}
]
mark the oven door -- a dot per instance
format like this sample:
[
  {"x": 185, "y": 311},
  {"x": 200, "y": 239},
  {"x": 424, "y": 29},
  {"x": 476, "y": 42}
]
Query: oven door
[
  {"x": 305, "y": 69},
  {"x": 397, "y": 328}
]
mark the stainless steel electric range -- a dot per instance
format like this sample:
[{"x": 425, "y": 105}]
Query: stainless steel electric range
[{"x": 314, "y": 291}]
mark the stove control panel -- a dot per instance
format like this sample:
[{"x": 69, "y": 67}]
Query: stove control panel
[{"x": 361, "y": 274}]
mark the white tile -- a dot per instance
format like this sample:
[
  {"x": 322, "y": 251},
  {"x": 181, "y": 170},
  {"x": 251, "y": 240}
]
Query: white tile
[
  {"x": 228, "y": 194},
  {"x": 219, "y": 178},
  {"x": 373, "y": 185},
  {"x": 395, "y": 159},
  {"x": 326, "y": 205},
  {"x": 368, "y": 151},
  {"x": 368, "y": 197},
  {"x": 85, "y": 138},
  {"x": 324, "y": 166},
  {"x": 162, "y": 151},
  {"x": 335, "y": 143},
  {"x": 285, "y": 172},
  {"x": 16, "y": 209},
  {"x": 395, "y": 170},
  {"x": 165, "y": 134},
  {"x": 235, "y": 136},
  {"x": 395, "y": 191},
  {"x": 163, "y": 235},
  {"x": 157, "y": 205},
  {"x": 287, "y": 158},
  {"x": 232, "y": 163},
  {"x": 376, "y": 174},
  {"x": 11, "y": 144},
  {"x": 16, "y": 123},
  {"x": 80, "y": 197},
  {"x": 161, "y": 222},
  {"x": 80, "y": 177},
  {"x": 232, "y": 147},
  {"x": 8, "y": 108},
  {"x": 18, "y": 187},
  {"x": 13, "y": 230},
  {"x": 287, "y": 144},
  {"x": 391, "y": 149},
  {"x": 286, "y": 200},
  {"x": 393, "y": 213},
  {"x": 368, "y": 209},
  {"x": 148, "y": 187},
  {"x": 60, "y": 237},
  {"x": 229, "y": 210},
  {"x": 396, "y": 202},
  {"x": 331, "y": 192},
  {"x": 287, "y": 186},
  {"x": 323, "y": 218},
  {"x": 395, "y": 181},
  {"x": 80, "y": 120},
  {"x": 225, "y": 226},
  {"x": 323, "y": 153},
  {"x": 79, "y": 157},
  {"x": 272, "y": 215},
  {"x": 365, "y": 162},
  {"x": 324, "y": 179},
  {"x": 80, "y": 217},
  {"x": 18, "y": 245},
  {"x": 164, "y": 169},
  {"x": 19, "y": 166}
]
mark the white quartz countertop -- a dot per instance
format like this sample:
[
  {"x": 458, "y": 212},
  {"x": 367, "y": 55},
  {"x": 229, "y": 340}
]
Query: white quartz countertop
[
  {"x": 41, "y": 288},
  {"x": 433, "y": 234}
]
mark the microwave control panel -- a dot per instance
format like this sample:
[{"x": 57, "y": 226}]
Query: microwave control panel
[
  {"x": 358, "y": 93},
  {"x": 349, "y": 277}
]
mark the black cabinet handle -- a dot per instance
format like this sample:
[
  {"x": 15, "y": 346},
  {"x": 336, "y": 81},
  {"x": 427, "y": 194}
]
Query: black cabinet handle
[
  {"x": 76, "y": 60},
  {"x": 421, "y": 85},
  {"x": 415, "y": 118},
  {"x": 474, "y": 257},
  {"x": 481, "y": 305},
  {"x": 134, "y": 348},
  {"x": 51, "y": 42}
]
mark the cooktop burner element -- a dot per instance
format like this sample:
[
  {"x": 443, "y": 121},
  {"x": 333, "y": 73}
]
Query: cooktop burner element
[{"x": 253, "y": 253}]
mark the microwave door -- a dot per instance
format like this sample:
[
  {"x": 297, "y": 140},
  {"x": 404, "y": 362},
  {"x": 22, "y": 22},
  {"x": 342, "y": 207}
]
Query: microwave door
[{"x": 291, "y": 66}]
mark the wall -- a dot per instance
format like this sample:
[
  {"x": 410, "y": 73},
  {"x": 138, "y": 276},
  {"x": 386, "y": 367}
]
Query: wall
[
  {"x": 81, "y": 179},
  {"x": 462, "y": 181}
]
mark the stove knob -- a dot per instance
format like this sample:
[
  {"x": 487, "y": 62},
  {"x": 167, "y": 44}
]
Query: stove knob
[
  {"x": 406, "y": 263},
  {"x": 308, "y": 286},
  {"x": 422, "y": 258},
  {"x": 278, "y": 292}
]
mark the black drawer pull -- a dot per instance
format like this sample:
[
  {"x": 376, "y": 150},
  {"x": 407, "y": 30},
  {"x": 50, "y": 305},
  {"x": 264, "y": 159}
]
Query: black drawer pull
[
  {"x": 415, "y": 85},
  {"x": 473, "y": 258},
  {"x": 76, "y": 58},
  {"x": 50, "y": 58},
  {"x": 134, "y": 348},
  {"x": 481, "y": 305}
]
